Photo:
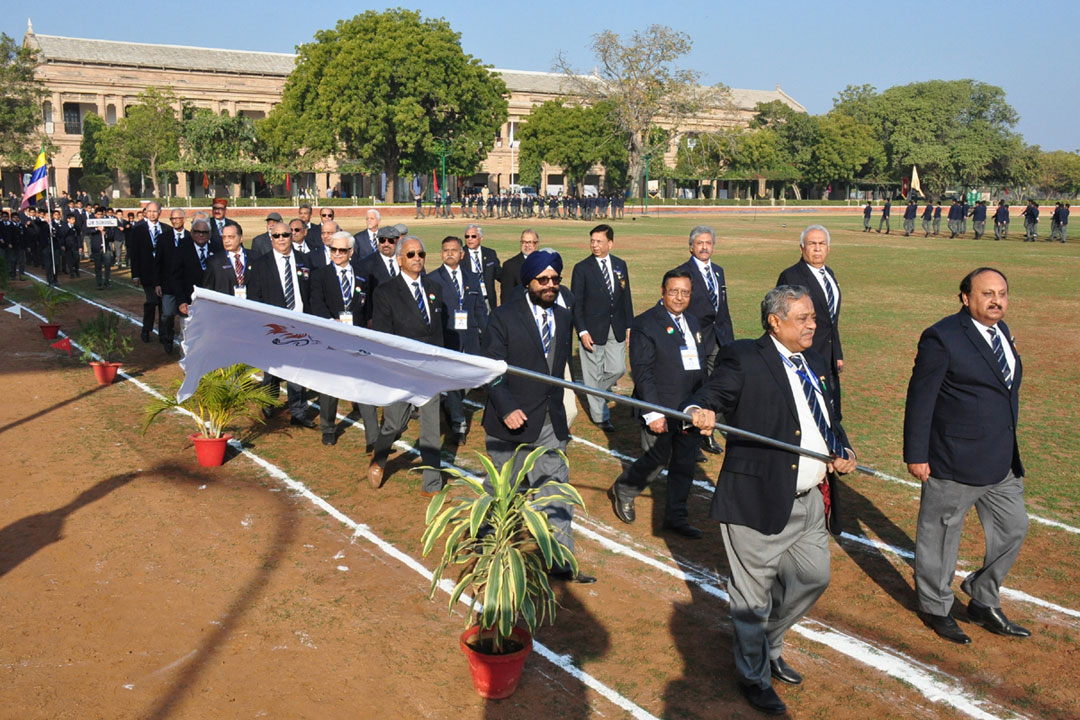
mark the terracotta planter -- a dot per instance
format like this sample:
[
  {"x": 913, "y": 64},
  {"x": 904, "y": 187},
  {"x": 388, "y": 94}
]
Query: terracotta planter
[
  {"x": 210, "y": 451},
  {"x": 49, "y": 330},
  {"x": 496, "y": 676},
  {"x": 105, "y": 372}
]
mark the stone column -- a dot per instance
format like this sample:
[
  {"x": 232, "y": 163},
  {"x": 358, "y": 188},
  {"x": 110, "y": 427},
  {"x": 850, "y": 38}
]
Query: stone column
[{"x": 181, "y": 184}]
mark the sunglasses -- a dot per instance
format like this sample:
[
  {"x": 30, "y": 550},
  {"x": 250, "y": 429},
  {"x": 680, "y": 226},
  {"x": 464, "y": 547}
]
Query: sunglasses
[
  {"x": 548, "y": 280},
  {"x": 279, "y": 235},
  {"x": 413, "y": 253},
  {"x": 337, "y": 250},
  {"x": 329, "y": 215},
  {"x": 473, "y": 236},
  {"x": 389, "y": 241},
  {"x": 298, "y": 230}
]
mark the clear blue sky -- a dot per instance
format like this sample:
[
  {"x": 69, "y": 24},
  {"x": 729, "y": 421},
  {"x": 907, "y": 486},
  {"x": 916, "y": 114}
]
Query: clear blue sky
[{"x": 812, "y": 50}]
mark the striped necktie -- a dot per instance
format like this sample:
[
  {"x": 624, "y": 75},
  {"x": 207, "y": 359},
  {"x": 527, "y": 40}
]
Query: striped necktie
[
  {"x": 829, "y": 296},
  {"x": 238, "y": 266},
  {"x": 457, "y": 285},
  {"x": 419, "y": 297},
  {"x": 393, "y": 268},
  {"x": 290, "y": 294},
  {"x": 999, "y": 353},
  {"x": 346, "y": 288},
  {"x": 607, "y": 279},
  {"x": 545, "y": 332},
  {"x": 202, "y": 257},
  {"x": 811, "y": 392},
  {"x": 710, "y": 284}
]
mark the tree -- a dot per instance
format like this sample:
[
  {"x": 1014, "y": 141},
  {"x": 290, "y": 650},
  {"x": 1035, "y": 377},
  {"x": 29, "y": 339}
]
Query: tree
[
  {"x": 1059, "y": 173},
  {"x": 845, "y": 149},
  {"x": 386, "y": 90},
  {"x": 21, "y": 95},
  {"x": 574, "y": 137},
  {"x": 216, "y": 144},
  {"x": 90, "y": 148},
  {"x": 644, "y": 88},
  {"x": 147, "y": 138}
]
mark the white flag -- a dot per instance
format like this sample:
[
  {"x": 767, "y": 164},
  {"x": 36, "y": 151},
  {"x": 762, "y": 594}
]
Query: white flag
[
  {"x": 14, "y": 310},
  {"x": 915, "y": 180},
  {"x": 343, "y": 361}
]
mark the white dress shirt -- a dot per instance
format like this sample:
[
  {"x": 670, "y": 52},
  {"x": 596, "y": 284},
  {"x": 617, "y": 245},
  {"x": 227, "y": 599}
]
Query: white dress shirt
[
  {"x": 279, "y": 259},
  {"x": 1005, "y": 344},
  {"x": 811, "y": 470},
  {"x": 390, "y": 262},
  {"x": 823, "y": 279}
]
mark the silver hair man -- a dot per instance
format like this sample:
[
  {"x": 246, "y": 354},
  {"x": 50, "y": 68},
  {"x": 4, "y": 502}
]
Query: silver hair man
[{"x": 778, "y": 300}]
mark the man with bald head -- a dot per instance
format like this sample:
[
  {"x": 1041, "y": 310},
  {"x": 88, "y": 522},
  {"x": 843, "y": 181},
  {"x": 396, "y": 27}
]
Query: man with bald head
[
  {"x": 148, "y": 238},
  {"x": 367, "y": 241},
  {"x": 409, "y": 305},
  {"x": 960, "y": 442}
]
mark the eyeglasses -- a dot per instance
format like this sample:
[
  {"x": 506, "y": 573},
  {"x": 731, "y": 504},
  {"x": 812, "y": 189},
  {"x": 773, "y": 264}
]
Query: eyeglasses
[
  {"x": 337, "y": 250},
  {"x": 176, "y": 219},
  {"x": 472, "y": 236},
  {"x": 329, "y": 215},
  {"x": 677, "y": 293},
  {"x": 218, "y": 207},
  {"x": 413, "y": 253},
  {"x": 279, "y": 235},
  {"x": 298, "y": 230},
  {"x": 548, "y": 280},
  {"x": 388, "y": 241}
]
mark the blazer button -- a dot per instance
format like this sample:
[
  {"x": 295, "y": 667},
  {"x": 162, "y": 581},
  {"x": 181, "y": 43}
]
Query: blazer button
[
  {"x": 798, "y": 433},
  {"x": 794, "y": 467}
]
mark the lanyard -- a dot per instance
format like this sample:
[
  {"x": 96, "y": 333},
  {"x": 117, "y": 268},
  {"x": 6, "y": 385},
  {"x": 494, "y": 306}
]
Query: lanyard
[{"x": 814, "y": 383}]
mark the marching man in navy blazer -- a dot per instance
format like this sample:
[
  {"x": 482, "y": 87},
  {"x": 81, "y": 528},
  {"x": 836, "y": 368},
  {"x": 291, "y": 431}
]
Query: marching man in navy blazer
[
  {"x": 464, "y": 316},
  {"x": 282, "y": 278},
  {"x": 667, "y": 364},
  {"x": 146, "y": 237},
  {"x": 603, "y": 311},
  {"x": 775, "y": 507},
  {"x": 813, "y": 274},
  {"x": 226, "y": 270},
  {"x": 532, "y": 331},
  {"x": 960, "y": 442},
  {"x": 409, "y": 305},
  {"x": 484, "y": 262},
  {"x": 708, "y": 302},
  {"x": 337, "y": 293}
]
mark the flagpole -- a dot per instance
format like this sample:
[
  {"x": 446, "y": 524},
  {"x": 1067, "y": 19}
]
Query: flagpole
[
  {"x": 48, "y": 209},
  {"x": 650, "y": 407}
]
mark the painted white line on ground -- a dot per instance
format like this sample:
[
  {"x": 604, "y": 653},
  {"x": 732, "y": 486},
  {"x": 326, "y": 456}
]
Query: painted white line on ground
[{"x": 564, "y": 662}]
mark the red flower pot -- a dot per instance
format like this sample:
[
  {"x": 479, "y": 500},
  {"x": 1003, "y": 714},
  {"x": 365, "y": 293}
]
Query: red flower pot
[
  {"x": 210, "y": 451},
  {"x": 49, "y": 330},
  {"x": 496, "y": 676},
  {"x": 105, "y": 372}
]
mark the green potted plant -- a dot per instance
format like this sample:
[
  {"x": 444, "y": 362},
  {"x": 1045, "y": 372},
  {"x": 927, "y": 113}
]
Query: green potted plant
[
  {"x": 101, "y": 336},
  {"x": 51, "y": 300},
  {"x": 223, "y": 397},
  {"x": 504, "y": 546}
]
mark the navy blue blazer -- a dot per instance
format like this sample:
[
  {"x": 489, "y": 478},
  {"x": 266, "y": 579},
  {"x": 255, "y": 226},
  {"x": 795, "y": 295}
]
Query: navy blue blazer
[
  {"x": 471, "y": 302},
  {"x": 656, "y": 359},
  {"x": 595, "y": 311},
  {"x": 960, "y": 417},
  {"x": 827, "y": 335},
  {"x": 700, "y": 305}
]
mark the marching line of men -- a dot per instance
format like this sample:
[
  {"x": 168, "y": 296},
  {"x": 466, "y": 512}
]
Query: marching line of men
[
  {"x": 775, "y": 508},
  {"x": 527, "y": 205},
  {"x": 959, "y": 212}
]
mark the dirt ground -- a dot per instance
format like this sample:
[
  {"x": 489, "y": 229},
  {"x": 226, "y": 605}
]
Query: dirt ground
[{"x": 136, "y": 584}]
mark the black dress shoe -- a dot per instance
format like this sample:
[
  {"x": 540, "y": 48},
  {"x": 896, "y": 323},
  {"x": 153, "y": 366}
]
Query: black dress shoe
[
  {"x": 687, "y": 531},
  {"x": 302, "y": 422},
  {"x": 268, "y": 412},
  {"x": 764, "y": 699},
  {"x": 700, "y": 457},
  {"x": 146, "y": 336},
  {"x": 946, "y": 627},
  {"x": 624, "y": 510},
  {"x": 784, "y": 672},
  {"x": 329, "y": 439},
  {"x": 169, "y": 347},
  {"x": 568, "y": 576},
  {"x": 606, "y": 426},
  {"x": 710, "y": 445},
  {"x": 995, "y": 621}
]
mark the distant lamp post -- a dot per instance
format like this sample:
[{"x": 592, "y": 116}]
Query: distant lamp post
[
  {"x": 648, "y": 161},
  {"x": 444, "y": 150}
]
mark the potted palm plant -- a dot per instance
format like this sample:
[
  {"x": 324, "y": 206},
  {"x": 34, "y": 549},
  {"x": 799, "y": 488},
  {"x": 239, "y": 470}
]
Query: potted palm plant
[
  {"x": 51, "y": 300},
  {"x": 223, "y": 397},
  {"x": 101, "y": 337},
  {"x": 504, "y": 546}
]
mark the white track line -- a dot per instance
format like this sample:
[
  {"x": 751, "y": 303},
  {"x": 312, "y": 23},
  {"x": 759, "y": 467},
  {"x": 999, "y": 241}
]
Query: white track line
[{"x": 564, "y": 662}]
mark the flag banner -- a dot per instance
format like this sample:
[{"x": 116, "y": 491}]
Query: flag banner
[
  {"x": 905, "y": 187},
  {"x": 915, "y": 180},
  {"x": 345, "y": 361},
  {"x": 39, "y": 181},
  {"x": 14, "y": 310},
  {"x": 435, "y": 182},
  {"x": 64, "y": 344}
]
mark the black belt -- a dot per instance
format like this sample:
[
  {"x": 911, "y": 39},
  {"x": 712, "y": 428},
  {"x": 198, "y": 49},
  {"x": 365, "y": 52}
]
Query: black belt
[{"x": 804, "y": 493}]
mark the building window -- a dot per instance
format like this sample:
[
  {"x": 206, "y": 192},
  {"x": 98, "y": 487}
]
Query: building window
[
  {"x": 110, "y": 115},
  {"x": 72, "y": 119}
]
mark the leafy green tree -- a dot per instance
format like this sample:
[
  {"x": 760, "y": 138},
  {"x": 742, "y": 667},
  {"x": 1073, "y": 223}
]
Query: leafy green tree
[
  {"x": 147, "y": 139},
  {"x": 845, "y": 149},
  {"x": 216, "y": 144},
  {"x": 93, "y": 160},
  {"x": 381, "y": 90},
  {"x": 1059, "y": 173},
  {"x": 644, "y": 88},
  {"x": 573, "y": 137},
  {"x": 21, "y": 95}
]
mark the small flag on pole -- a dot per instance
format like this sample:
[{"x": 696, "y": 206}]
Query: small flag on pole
[
  {"x": 39, "y": 181},
  {"x": 64, "y": 344},
  {"x": 15, "y": 310},
  {"x": 915, "y": 180}
]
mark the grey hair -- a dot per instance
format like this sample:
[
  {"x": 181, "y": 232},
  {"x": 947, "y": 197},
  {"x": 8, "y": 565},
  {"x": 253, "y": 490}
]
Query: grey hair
[
  {"x": 179, "y": 210},
  {"x": 200, "y": 216},
  {"x": 526, "y": 231},
  {"x": 479, "y": 230},
  {"x": 344, "y": 235},
  {"x": 778, "y": 300},
  {"x": 378, "y": 215},
  {"x": 332, "y": 222},
  {"x": 402, "y": 241},
  {"x": 200, "y": 221},
  {"x": 699, "y": 231},
  {"x": 809, "y": 229},
  {"x": 154, "y": 203}
]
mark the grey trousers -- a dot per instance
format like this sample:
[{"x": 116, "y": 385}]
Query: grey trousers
[
  {"x": 1064, "y": 231},
  {"x": 677, "y": 450},
  {"x": 866, "y": 222},
  {"x": 979, "y": 226},
  {"x": 395, "y": 420},
  {"x": 942, "y": 510},
  {"x": 549, "y": 467},
  {"x": 1031, "y": 228},
  {"x": 295, "y": 394},
  {"x": 883, "y": 221},
  {"x": 454, "y": 401},
  {"x": 909, "y": 226},
  {"x": 369, "y": 414},
  {"x": 601, "y": 369},
  {"x": 775, "y": 580},
  {"x": 1000, "y": 229},
  {"x": 1055, "y": 230},
  {"x": 926, "y": 226},
  {"x": 937, "y": 225},
  {"x": 954, "y": 227}
]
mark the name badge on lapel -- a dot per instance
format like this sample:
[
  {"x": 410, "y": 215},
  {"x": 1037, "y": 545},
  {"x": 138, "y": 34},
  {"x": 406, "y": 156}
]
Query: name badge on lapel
[
  {"x": 461, "y": 320},
  {"x": 345, "y": 317},
  {"x": 689, "y": 358},
  {"x": 240, "y": 291}
]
